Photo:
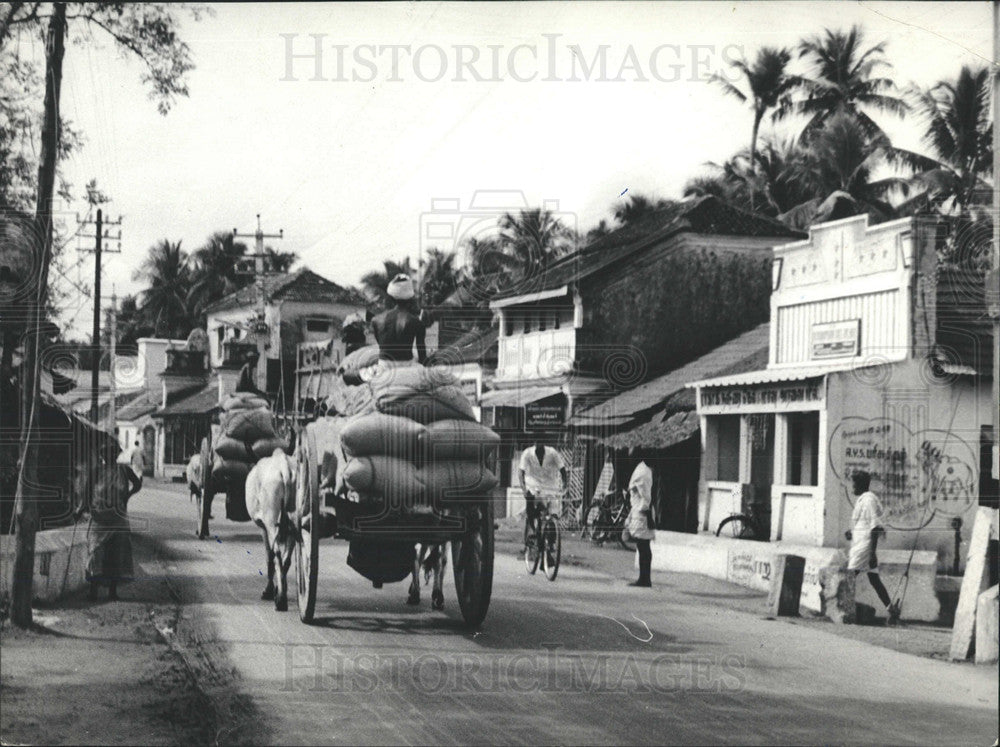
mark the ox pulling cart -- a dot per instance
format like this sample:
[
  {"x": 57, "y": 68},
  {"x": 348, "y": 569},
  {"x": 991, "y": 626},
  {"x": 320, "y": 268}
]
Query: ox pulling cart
[{"x": 398, "y": 459}]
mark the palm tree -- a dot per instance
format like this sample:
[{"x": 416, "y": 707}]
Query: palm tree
[
  {"x": 768, "y": 86},
  {"x": 375, "y": 283},
  {"x": 214, "y": 270},
  {"x": 168, "y": 281},
  {"x": 837, "y": 167},
  {"x": 535, "y": 236},
  {"x": 438, "y": 276},
  {"x": 959, "y": 135},
  {"x": 637, "y": 208},
  {"x": 843, "y": 80}
]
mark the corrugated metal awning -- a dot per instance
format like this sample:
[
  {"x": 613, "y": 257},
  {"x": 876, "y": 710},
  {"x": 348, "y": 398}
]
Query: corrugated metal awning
[
  {"x": 790, "y": 373},
  {"x": 518, "y": 396}
]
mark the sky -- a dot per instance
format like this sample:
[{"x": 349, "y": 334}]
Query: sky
[{"x": 379, "y": 161}]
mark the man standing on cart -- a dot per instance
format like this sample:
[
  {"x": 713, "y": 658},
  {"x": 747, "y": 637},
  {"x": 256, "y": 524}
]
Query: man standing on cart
[{"x": 544, "y": 480}]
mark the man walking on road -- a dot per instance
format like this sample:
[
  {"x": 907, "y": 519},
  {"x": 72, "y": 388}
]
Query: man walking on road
[
  {"x": 136, "y": 461},
  {"x": 867, "y": 525}
]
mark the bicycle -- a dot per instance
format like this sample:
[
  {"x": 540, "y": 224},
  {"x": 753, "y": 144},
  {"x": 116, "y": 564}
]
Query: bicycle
[
  {"x": 544, "y": 544},
  {"x": 607, "y": 518},
  {"x": 743, "y": 525}
]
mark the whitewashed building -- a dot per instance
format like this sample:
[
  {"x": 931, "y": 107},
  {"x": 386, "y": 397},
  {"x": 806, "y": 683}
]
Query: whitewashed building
[{"x": 877, "y": 362}]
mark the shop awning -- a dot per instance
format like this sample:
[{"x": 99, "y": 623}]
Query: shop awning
[
  {"x": 661, "y": 433},
  {"x": 789, "y": 373},
  {"x": 518, "y": 396}
]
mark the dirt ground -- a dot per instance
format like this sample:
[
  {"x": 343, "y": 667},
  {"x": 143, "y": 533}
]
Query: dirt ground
[{"x": 112, "y": 673}]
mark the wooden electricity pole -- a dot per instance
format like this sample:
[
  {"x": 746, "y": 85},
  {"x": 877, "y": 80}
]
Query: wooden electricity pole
[
  {"x": 25, "y": 501},
  {"x": 100, "y": 233},
  {"x": 260, "y": 271}
]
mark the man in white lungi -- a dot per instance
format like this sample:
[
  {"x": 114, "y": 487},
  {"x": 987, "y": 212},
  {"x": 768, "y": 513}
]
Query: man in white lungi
[
  {"x": 544, "y": 480},
  {"x": 867, "y": 525}
]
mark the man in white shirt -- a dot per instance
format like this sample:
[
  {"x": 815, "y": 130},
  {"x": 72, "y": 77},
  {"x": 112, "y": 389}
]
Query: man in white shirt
[
  {"x": 543, "y": 477},
  {"x": 867, "y": 525}
]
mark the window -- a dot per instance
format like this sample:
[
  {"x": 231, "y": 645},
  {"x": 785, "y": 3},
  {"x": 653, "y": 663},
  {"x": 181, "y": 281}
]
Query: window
[
  {"x": 803, "y": 448},
  {"x": 220, "y": 333},
  {"x": 317, "y": 325}
]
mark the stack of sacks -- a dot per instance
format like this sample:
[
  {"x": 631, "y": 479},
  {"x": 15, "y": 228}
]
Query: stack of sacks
[
  {"x": 247, "y": 435},
  {"x": 359, "y": 366},
  {"x": 428, "y": 450}
]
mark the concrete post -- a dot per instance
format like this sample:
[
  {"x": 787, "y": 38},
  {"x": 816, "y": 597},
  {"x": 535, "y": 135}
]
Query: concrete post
[{"x": 786, "y": 585}]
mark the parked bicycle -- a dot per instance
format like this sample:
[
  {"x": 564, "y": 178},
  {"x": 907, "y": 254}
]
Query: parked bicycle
[
  {"x": 544, "y": 544},
  {"x": 747, "y": 525},
  {"x": 606, "y": 519}
]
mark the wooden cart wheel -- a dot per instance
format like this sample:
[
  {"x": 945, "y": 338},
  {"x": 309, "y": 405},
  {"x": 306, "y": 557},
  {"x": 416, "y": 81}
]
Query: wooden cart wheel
[
  {"x": 307, "y": 509},
  {"x": 472, "y": 558},
  {"x": 207, "y": 489}
]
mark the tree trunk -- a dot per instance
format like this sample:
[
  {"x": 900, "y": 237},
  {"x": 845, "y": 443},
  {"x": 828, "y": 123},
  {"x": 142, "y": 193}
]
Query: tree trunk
[
  {"x": 25, "y": 505},
  {"x": 757, "y": 116}
]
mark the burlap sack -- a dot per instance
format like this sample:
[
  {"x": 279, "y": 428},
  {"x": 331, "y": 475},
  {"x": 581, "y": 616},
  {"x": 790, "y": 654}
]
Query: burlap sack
[
  {"x": 231, "y": 470},
  {"x": 248, "y": 425},
  {"x": 402, "y": 481},
  {"x": 244, "y": 401},
  {"x": 265, "y": 447},
  {"x": 382, "y": 434},
  {"x": 450, "y": 440},
  {"x": 230, "y": 448},
  {"x": 443, "y": 403}
]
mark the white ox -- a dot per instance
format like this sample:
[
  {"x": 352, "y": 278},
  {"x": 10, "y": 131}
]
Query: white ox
[{"x": 271, "y": 504}]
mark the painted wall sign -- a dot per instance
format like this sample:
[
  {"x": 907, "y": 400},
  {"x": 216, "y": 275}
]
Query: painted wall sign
[
  {"x": 915, "y": 472},
  {"x": 750, "y": 568},
  {"x": 835, "y": 339},
  {"x": 770, "y": 398}
]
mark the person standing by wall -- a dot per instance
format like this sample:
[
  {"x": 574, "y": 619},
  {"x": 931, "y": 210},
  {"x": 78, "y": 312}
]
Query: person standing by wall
[
  {"x": 137, "y": 461},
  {"x": 639, "y": 525},
  {"x": 867, "y": 526}
]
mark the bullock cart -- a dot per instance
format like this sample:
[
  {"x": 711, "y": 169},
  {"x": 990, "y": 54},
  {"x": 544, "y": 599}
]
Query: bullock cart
[{"x": 327, "y": 508}]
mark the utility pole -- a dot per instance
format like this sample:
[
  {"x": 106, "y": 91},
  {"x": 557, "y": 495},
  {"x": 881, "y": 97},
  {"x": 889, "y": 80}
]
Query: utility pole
[
  {"x": 26, "y": 496},
  {"x": 113, "y": 413},
  {"x": 993, "y": 278},
  {"x": 260, "y": 271},
  {"x": 100, "y": 233}
]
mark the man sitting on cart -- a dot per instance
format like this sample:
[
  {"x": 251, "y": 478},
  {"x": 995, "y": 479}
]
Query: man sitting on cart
[
  {"x": 248, "y": 374},
  {"x": 402, "y": 325},
  {"x": 544, "y": 480}
]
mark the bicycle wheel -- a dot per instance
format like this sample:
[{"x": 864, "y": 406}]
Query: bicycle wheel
[
  {"x": 551, "y": 547},
  {"x": 531, "y": 554},
  {"x": 736, "y": 526}
]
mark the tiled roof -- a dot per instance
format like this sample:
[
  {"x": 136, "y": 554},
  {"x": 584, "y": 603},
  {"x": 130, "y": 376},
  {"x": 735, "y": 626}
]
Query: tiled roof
[
  {"x": 303, "y": 285},
  {"x": 662, "y": 432},
  {"x": 747, "y": 352},
  {"x": 475, "y": 346},
  {"x": 201, "y": 402},
  {"x": 703, "y": 215}
]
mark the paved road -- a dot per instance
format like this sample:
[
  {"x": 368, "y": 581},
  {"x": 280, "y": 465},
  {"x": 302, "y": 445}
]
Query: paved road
[{"x": 583, "y": 660}]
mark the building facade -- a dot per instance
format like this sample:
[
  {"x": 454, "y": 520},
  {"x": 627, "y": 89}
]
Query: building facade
[{"x": 870, "y": 367}]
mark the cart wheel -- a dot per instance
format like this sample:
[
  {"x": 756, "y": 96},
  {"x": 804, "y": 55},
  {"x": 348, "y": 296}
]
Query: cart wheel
[
  {"x": 472, "y": 557},
  {"x": 204, "y": 504},
  {"x": 307, "y": 508}
]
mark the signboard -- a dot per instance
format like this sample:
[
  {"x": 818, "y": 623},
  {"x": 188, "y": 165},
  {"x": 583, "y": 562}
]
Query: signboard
[
  {"x": 539, "y": 416},
  {"x": 772, "y": 398},
  {"x": 836, "y": 339},
  {"x": 750, "y": 567}
]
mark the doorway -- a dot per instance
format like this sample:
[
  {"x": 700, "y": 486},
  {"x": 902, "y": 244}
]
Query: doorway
[{"x": 148, "y": 450}]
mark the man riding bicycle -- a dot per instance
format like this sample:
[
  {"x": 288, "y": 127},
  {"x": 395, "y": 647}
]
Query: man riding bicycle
[{"x": 544, "y": 480}]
